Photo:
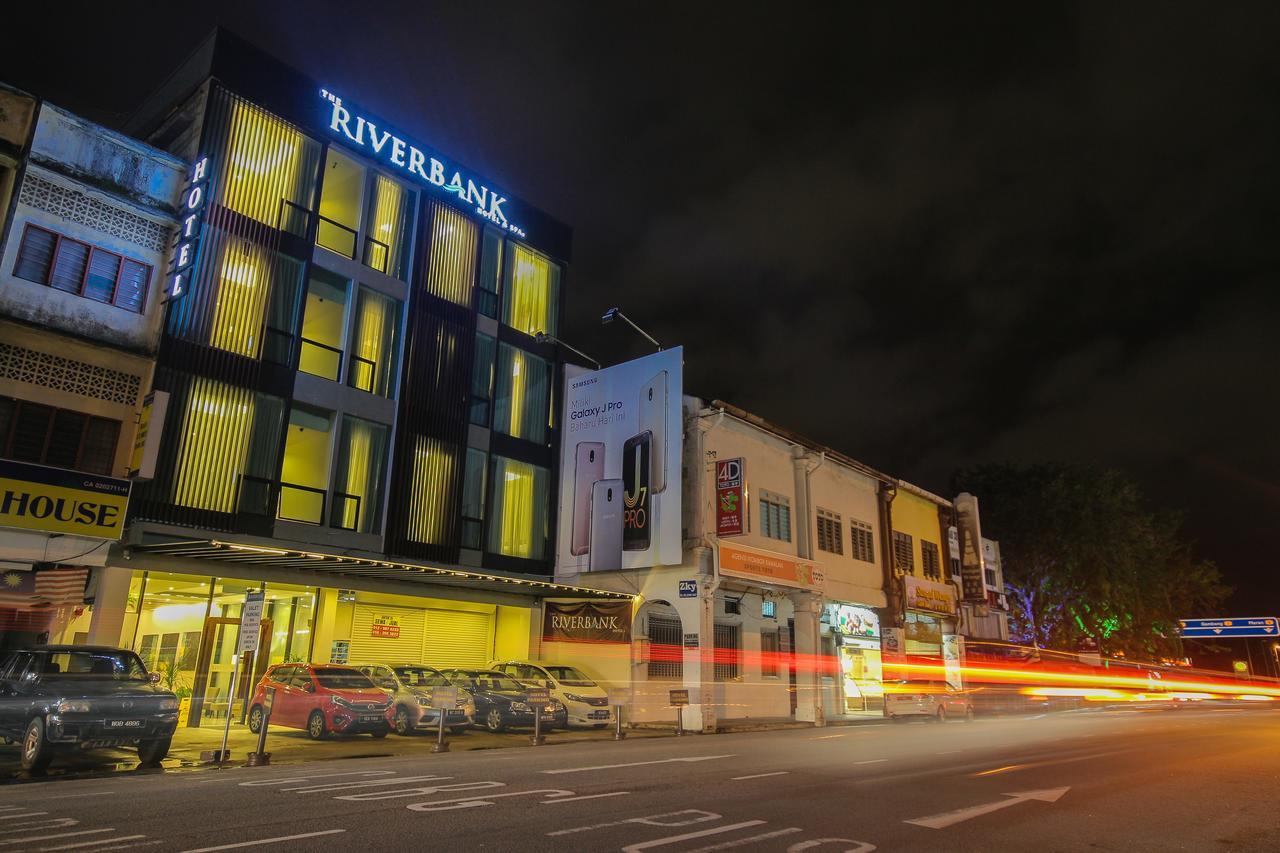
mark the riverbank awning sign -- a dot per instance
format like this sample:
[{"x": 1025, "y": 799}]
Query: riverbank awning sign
[{"x": 55, "y": 500}]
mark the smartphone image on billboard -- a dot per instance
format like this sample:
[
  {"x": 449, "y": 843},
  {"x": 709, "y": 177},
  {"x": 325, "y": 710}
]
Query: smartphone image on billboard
[
  {"x": 606, "y": 526},
  {"x": 635, "y": 478},
  {"x": 588, "y": 467},
  {"x": 653, "y": 419}
]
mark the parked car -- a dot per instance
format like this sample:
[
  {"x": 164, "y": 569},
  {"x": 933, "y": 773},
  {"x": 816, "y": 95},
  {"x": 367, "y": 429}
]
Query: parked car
[
  {"x": 585, "y": 701},
  {"x": 502, "y": 702},
  {"x": 61, "y": 698},
  {"x": 410, "y": 686},
  {"x": 322, "y": 699},
  {"x": 931, "y": 699}
]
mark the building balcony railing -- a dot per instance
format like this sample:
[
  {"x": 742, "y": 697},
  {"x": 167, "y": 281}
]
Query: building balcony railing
[
  {"x": 320, "y": 359},
  {"x": 266, "y": 498}
]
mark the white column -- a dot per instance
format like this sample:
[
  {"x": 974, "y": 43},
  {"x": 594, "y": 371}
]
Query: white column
[
  {"x": 109, "y": 605},
  {"x": 807, "y": 616}
]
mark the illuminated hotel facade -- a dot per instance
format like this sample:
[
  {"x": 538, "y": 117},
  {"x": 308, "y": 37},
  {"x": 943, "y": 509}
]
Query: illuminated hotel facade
[{"x": 350, "y": 406}]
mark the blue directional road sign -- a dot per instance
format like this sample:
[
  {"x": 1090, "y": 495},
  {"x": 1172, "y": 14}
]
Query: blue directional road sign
[{"x": 1261, "y": 626}]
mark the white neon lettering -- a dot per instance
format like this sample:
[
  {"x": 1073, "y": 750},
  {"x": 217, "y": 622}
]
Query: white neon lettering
[
  {"x": 373, "y": 137},
  {"x": 495, "y": 208},
  {"x": 359, "y": 137},
  {"x": 177, "y": 288},
  {"x": 416, "y": 162},
  {"x": 437, "y": 172},
  {"x": 476, "y": 194},
  {"x": 195, "y": 197},
  {"x": 189, "y": 225},
  {"x": 198, "y": 173},
  {"x": 397, "y": 151},
  {"x": 184, "y": 255},
  {"x": 340, "y": 119}
]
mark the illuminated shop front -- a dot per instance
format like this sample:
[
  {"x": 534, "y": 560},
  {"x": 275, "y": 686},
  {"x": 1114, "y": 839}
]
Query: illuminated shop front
[
  {"x": 930, "y": 616},
  {"x": 855, "y": 629}
]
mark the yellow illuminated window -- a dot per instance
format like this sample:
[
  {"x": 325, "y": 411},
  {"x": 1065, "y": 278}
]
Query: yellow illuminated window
[
  {"x": 304, "y": 474},
  {"x": 340, "y": 199},
  {"x": 532, "y": 291},
  {"x": 387, "y": 232},
  {"x": 432, "y": 491},
  {"x": 523, "y": 396},
  {"x": 243, "y": 282},
  {"x": 357, "y": 497},
  {"x": 268, "y": 163},
  {"x": 453, "y": 256},
  {"x": 519, "y": 518},
  {"x": 324, "y": 323},
  {"x": 213, "y": 445},
  {"x": 373, "y": 350}
]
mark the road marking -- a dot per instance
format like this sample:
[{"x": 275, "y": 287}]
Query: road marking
[
  {"x": 25, "y": 814},
  {"x": 89, "y": 794},
  {"x": 585, "y": 797},
  {"x": 872, "y": 761},
  {"x": 95, "y": 843},
  {"x": 1013, "y": 767},
  {"x": 257, "y": 782},
  {"x": 31, "y": 838},
  {"x": 477, "y": 800},
  {"x": 264, "y": 841},
  {"x": 368, "y": 783},
  {"x": 824, "y": 737},
  {"x": 949, "y": 752},
  {"x": 420, "y": 791},
  {"x": 760, "y": 775},
  {"x": 647, "y": 820},
  {"x": 863, "y": 846},
  {"x": 37, "y": 825},
  {"x": 738, "y": 842},
  {"x": 675, "y": 839},
  {"x": 689, "y": 760},
  {"x": 942, "y": 821}
]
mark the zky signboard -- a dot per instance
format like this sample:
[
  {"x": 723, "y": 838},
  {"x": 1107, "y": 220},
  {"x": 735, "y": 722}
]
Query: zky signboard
[{"x": 1260, "y": 626}]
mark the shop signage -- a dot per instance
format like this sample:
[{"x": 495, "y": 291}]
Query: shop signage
[
  {"x": 929, "y": 596},
  {"x": 385, "y": 626},
  {"x": 186, "y": 249},
  {"x": 953, "y": 659},
  {"x": 953, "y": 543},
  {"x": 339, "y": 651},
  {"x": 54, "y": 500},
  {"x": 894, "y": 642},
  {"x": 688, "y": 589},
  {"x": 760, "y": 565},
  {"x": 587, "y": 621},
  {"x": 146, "y": 441},
  {"x": 250, "y": 621},
  {"x": 420, "y": 163},
  {"x": 691, "y": 641},
  {"x": 678, "y": 698},
  {"x": 730, "y": 504},
  {"x": 971, "y": 575},
  {"x": 853, "y": 620},
  {"x": 619, "y": 696},
  {"x": 538, "y": 697}
]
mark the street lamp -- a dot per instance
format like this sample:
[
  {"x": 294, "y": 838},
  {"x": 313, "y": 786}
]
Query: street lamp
[
  {"x": 616, "y": 314},
  {"x": 544, "y": 338}
]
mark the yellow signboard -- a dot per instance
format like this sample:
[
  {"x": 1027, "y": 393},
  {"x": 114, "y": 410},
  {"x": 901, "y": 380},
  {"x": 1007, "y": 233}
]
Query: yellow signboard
[{"x": 54, "y": 500}]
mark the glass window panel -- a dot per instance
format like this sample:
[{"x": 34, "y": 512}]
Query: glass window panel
[
  {"x": 104, "y": 269},
  {"x": 31, "y": 429},
  {"x": 451, "y": 269},
  {"x": 473, "y": 481},
  {"x": 68, "y": 269},
  {"x": 243, "y": 280},
  {"x": 270, "y": 168},
  {"x": 387, "y": 241},
  {"x": 518, "y": 513},
  {"x": 358, "y": 486},
  {"x": 134, "y": 279},
  {"x": 482, "y": 379},
  {"x": 282, "y": 310},
  {"x": 373, "y": 350},
  {"x": 532, "y": 287},
  {"x": 522, "y": 399},
  {"x": 490, "y": 273},
  {"x": 64, "y": 439},
  {"x": 214, "y": 442},
  {"x": 35, "y": 257},
  {"x": 169, "y": 620},
  {"x": 341, "y": 195},
  {"x": 432, "y": 493},
  {"x": 324, "y": 321},
  {"x": 98, "y": 452},
  {"x": 304, "y": 471}
]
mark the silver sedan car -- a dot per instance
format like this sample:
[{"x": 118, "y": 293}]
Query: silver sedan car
[{"x": 410, "y": 686}]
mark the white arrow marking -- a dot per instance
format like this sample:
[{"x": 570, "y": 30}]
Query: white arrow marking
[
  {"x": 639, "y": 764},
  {"x": 942, "y": 821}
]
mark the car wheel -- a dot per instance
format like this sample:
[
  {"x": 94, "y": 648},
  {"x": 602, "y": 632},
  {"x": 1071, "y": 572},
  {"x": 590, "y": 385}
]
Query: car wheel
[
  {"x": 36, "y": 751},
  {"x": 493, "y": 721},
  {"x": 152, "y": 752},
  {"x": 458, "y": 730},
  {"x": 379, "y": 735},
  {"x": 402, "y": 724},
  {"x": 316, "y": 728},
  {"x": 942, "y": 714},
  {"x": 255, "y": 719}
]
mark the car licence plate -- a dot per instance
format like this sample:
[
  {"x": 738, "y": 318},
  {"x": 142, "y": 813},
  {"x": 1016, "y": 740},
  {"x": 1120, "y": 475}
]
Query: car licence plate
[
  {"x": 371, "y": 718},
  {"x": 124, "y": 724}
]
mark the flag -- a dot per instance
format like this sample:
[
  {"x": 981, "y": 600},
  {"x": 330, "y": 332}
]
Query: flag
[{"x": 43, "y": 588}]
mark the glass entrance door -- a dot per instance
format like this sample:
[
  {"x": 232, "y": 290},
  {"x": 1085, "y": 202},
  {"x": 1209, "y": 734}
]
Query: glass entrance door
[{"x": 215, "y": 664}]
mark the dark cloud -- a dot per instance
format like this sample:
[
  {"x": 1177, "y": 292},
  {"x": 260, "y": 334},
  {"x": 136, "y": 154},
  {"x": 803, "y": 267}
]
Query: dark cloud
[{"x": 928, "y": 236}]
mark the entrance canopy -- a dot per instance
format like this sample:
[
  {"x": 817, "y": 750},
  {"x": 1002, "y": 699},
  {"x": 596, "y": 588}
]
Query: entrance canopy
[{"x": 333, "y": 567}]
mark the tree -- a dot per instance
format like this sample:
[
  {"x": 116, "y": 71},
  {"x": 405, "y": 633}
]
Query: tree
[{"x": 1084, "y": 556}]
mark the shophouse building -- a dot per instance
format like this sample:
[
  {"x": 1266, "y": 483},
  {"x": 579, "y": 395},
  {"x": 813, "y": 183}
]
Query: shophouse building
[
  {"x": 351, "y": 409},
  {"x": 88, "y": 215}
]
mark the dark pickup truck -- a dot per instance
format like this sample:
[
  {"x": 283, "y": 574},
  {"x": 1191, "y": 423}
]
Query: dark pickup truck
[{"x": 55, "y": 698}]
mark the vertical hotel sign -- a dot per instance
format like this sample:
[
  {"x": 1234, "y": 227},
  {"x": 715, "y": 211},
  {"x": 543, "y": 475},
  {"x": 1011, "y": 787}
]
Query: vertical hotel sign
[
  {"x": 186, "y": 250},
  {"x": 729, "y": 498}
]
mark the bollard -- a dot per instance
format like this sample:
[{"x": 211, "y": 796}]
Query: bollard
[
  {"x": 536, "y": 738},
  {"x": 679, "y": 722},
  {"x": 261, "y": 757},
  {"x": 618, "y": 733},
  {"x": 441, "y": 745}
]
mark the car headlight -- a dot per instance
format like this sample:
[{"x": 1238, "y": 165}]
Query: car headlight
[
  {"x": 424, "y": 701},
  {"x": 519, "y": 706},
  {"x": 573, "y": 697},
  {"x": 340, "y": 702},
  {"x": 555, "y": 706},
  {"x": 72, "y": 706},
  {"x": 168, "y": 704}
]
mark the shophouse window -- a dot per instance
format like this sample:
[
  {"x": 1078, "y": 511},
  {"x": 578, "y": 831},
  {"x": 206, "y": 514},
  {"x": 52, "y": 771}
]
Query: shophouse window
[
  {"x": 930, "y": 560},
  {"x": 269, "y": 168},
  {"x": 727, "y": 663},
  {"x": 364, "y": 215},
  {"x": 324, "y": 323},
  {"x": 44, "y": 435},
  {"x": 431, "y": 495},
  {"x": 452, "y": 265},
  {"x": 775, "y": 516},
  {"x": 473, "y": 483},
  {"x": 518, "y": 511},
  {"x": 304, "y": 474},
  {"x": 490, "y": 273},
  {"x": 770, "y": 650},
  {"x": 666, "y": 648},
  {"x": 373, "y": 343},
  {"x": 71, "y": 266},
  {"x": 531, "y": 291},
  {"x": 482, "y": 379},
  {"x": 522, "y": 398},
  {"x": 863, "y": 541},
  {"x": 360, "y": 476},
  {"x": 830, "y": 532},
  {"x": 904, "y": 558}
]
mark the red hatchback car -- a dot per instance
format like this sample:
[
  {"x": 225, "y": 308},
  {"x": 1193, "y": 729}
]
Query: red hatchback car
[{"x": 322, "y": 698}]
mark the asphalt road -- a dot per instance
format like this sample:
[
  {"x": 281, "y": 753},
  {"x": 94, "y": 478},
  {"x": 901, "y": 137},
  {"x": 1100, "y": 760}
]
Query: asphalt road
[{"x": 1158, "y": 780}]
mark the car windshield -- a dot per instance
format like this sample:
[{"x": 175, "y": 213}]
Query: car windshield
[
  {"x": 113, "y": 664},
  {"x": 490, "y": 681},
  {"x": 343, "y": 679},
  {"x": 421, "y": 676},
  {"x": 570, "y": 677}
]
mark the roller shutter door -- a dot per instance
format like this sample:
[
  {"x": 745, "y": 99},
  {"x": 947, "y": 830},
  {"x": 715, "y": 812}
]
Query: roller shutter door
[
  {"x": 458, "y": 638},
  {"x": 368, "y": 648}
]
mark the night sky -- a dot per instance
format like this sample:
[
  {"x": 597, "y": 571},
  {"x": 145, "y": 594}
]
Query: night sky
[{"x": 926, "y": 236}]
